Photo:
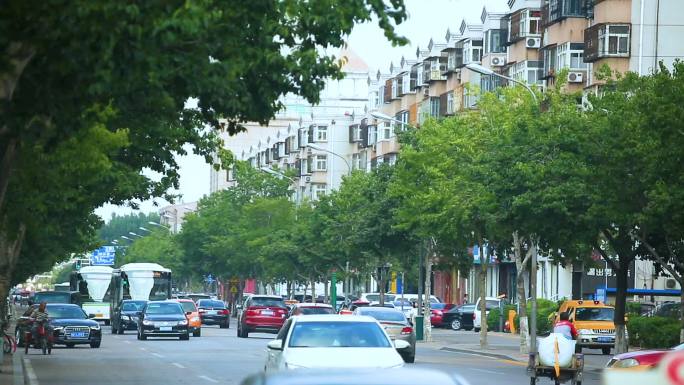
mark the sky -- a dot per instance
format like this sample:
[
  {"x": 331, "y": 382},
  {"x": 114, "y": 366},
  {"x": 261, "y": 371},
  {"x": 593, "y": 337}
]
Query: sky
[{"x": 427, "y": 19}]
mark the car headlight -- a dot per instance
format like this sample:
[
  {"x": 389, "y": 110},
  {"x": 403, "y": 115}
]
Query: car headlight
[
  {"x": 626, "y": 363},
  {"x": 57, "y": 329},
  {"x": 585, "y": 331},
  {"x": 194, "y": 319},
  {"x": 183, "y": 322},
  {"x": 147, "y": 322}
]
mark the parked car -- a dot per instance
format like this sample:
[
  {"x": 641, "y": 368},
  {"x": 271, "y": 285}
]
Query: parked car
[
  {"x": 406, "y": 307},
  {"x": 460, "y": 317},
  {"x": 414, "y": 298},
  {"x": 397, "y": 327},
  {"x": 333, "y": 341},
  {"x": 125, "y": 315},
  {"x": 399, "y": 376},
  {"x": 640, "y": 359},
  {"x": 492, "y": 303},
  {"x": 70, "y": 324},
  {"x": 192, "y": 315},
  {"x": 311, "y": 308},
  {"x": 262, "y": 313},
  {"x": 375, "y": 297},
  {"x": 198, "y": 296},
  {"x": 163, "y": 319},
  {"x": 668, "y": 310},
  {"x": 214, "y": 312}
]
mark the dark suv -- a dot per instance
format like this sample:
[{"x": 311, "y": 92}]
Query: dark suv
[
  {"x": 214, "y": 312},
  {"x": 125, "y": 315},
  {"x": 262, "y": 313}
]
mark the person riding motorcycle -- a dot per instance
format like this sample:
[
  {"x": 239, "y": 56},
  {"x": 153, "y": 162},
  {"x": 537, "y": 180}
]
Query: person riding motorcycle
[
  {"x": 565, "y": 327},
  {"x": 38, "y": 316}
]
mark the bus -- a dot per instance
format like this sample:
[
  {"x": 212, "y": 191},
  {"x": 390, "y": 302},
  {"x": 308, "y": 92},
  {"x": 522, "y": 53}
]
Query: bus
[
  {"x": 93, "y": 282},
  {"x": 139, "y": 281}
]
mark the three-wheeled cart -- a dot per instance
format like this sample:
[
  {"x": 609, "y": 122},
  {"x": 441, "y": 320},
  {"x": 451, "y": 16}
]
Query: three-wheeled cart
[{"x": 572, "y": 373}]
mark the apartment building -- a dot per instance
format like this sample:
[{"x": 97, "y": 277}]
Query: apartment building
[
  {"x": 531, "y": 41},
  {"x": 313, "y": 140}
]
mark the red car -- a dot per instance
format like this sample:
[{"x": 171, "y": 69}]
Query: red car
[
  {"x": 262, "y": 313},
  {"x": 640, "y": 359},
  {"x": 437, "y": 311}
]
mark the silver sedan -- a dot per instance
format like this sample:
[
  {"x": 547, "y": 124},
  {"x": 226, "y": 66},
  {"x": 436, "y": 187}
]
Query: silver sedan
[{"x": 397, "y": 327}]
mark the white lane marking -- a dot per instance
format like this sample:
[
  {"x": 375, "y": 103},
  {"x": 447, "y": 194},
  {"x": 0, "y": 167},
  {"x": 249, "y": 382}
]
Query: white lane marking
[
  {"x": 157, "y": 355},
  {"x": 143, "y": 349},
  {"x": 208, "y": 379},
  {"x": 31, "y": 377},
  {"x": 178, "y": 365},
  {"x": 485, "y": 371},
  {"x": 128, "y": 342}
]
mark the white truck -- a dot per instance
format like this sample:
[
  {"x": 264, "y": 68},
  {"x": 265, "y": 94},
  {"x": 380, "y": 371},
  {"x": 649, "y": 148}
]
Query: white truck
[{"x": 97, "y": 279}]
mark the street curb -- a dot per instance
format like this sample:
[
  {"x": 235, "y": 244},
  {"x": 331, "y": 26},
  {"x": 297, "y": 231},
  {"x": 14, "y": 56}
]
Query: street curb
[{"x": 484, "y": 354}]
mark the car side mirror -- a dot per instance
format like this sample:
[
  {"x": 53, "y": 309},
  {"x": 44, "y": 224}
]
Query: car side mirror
[
  {"x": 401, "y": 344},
  {"x": 275, "y": 345}
]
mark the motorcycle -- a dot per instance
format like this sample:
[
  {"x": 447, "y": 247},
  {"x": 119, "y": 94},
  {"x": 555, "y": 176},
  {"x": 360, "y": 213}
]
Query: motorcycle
[{"x": 43, "y": 340}]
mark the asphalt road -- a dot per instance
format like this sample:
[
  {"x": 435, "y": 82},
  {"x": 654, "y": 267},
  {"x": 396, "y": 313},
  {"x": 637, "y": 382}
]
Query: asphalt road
[{"x": 219, "y": 357}]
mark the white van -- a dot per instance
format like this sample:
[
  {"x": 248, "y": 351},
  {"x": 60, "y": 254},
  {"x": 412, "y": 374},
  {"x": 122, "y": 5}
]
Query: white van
[
  {"x": 492, "y": 303},
  {"x": 414, "y": 298}
]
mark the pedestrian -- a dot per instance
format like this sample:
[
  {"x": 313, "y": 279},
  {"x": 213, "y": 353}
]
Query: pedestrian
[
  {"x": 565, "y": 327},
  {"x": 465, "y": 298}
]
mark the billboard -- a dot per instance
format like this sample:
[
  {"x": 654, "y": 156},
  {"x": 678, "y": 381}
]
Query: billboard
[{"x": 104, "y": 256}]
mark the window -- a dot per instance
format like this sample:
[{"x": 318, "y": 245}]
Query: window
[
  {"x": 524, "y": 23},
  {"x": 571, "y": 55},
  {"x": 614, "y": 40},
  {"x": 354, "y": 133},
  {"x": 381, "y": 96},
  {"x": 419, "y": 76},
  {"x": 527, "y": 71},
  {"x": 434, "y": 107},
  {"x": 387, "y": 130},
  {"x": 450, "y": 103},
  {"x": 472, "y": 51},
  {"x": 321, "y": 133},
  {"x": 355, "y": 161},
  {"x": 318, "y": 190},
  {"x": 494, "y": 41},
  {"x": 394, "y": 88},
  {"x": 321, "y": 163},
  {"x": 372, "y": 134},
  {"x": 550, "y": 58}
]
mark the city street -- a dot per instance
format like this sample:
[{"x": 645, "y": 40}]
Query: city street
[{"x": 220, "y": 357}]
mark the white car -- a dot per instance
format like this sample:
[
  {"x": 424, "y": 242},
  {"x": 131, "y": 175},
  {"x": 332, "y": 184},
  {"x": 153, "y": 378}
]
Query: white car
[
  {"x": 333, "y": 341},
  {"x": 492, "y": 303},
  {"x": 375, "y": 297}
]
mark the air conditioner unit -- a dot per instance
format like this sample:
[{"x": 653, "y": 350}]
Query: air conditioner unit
[
  {"x": 670, "y": 284},
  {"x": 533, "y": 42},
  {"x": 426, "y": 91},
  {"x": 307, "y": 179},
  {"x": 575, "y": 77},
  {"x": 497, "y": 61}
]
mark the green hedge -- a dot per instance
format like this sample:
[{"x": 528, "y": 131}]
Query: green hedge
[
  {"x": 653, "y": 332},
  {"x": 544, "y": 309}
]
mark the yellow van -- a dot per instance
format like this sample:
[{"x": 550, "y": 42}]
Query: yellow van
[{"x": 594, "y": 323}]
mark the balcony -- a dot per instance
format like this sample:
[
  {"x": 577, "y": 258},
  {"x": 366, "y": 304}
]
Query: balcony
[
  {"x": 606, "y": 41},
  {"x": 556, "y": 10},
  {"x": 523, "y": 24}
]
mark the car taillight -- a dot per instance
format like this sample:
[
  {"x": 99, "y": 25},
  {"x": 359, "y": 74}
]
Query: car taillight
[
  {"x": 252, "y": 312},
  {"x": 406, "y": 330},
  {"x": 473, "y": 316},
  {"x": 224, "y": 312}
]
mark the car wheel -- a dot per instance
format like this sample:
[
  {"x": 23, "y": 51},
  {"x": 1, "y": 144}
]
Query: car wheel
[
  {"x": 239, "y": 332},
  {"x": 476, "y": 330},
  {"x": 605, "y": 351},
  {"x": 456, "y": 324},
  {"x": 142, "y": 336},
  {"x": 185, "y": 337},
  {"x": 120, "y": 329},
  {"x": 578, "y": 349},
  {"x": 114, "y": 329},
  {"x": 197, "y": 333},
  {"x": 223, "y": 325},
  {"x": 70, "y": 345},
  {"x": 409, "y": 358},
  {"x": 95, "y": 345}
]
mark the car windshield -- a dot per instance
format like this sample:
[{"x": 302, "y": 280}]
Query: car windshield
[
  {"x": 307, "y": 310},
  {"x": 188, "y": 306},
  {"x": 267, "y": 301},
  {"x": 492, "y": 304},
  {"x": 163, "y": 308},
  {"x": 376, "y": 297},
  {"x": 58, "y": 297},
  {"x": 594, "y": 314},
  {"x": 61, "y": 312},
  {"x": 338, "y": 334},
  {"x": 210, "y": 303},
  {"x": 384, "y": 315},
  {"x": 133, "y": 306}
]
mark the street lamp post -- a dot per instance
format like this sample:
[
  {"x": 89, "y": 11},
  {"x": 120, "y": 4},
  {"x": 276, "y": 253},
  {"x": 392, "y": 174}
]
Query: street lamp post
[
  {"x": 145, "y": 229},
  {"x": 314, "y": 147},
  {"x": 159, "y": 225},
  {"x": 380, "y": 116},
  {"x": 135, "y": 235},
  {"x": 533, "y": 263}
]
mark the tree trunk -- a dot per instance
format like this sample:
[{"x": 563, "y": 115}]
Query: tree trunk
[
  {"x": 381, "y": 288},
  {"x": 521, "y": 295},
  {"x": 620, "y": 299},
  {"x": 313, "y": 290},
  {"x": 483, "y": 295},
  {"x": 427, "y": 321},
  {"x": 10, "y": 247},
  {"x": 326, "y": 293}
]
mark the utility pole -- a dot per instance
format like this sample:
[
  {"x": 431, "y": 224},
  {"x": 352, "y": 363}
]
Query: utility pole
[
  {"x": 428, "y": 310},
  {"x": 533, "y": 294},
  {"x": 419, "y": 308}
]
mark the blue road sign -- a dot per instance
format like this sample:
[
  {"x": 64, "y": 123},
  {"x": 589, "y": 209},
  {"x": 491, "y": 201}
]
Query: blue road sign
[{"x": 104, "y": 256}]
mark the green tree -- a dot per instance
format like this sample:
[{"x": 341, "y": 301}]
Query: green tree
[
  {"x": 119, "y": 225},
  {"x": 141, "y": 63},
  {"x": 160, "y": 247}
]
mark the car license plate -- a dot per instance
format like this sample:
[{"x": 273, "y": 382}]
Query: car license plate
[
  {"x": 77, "y": 335},
  {"x": 98, "y": 315},
  {"x": 267, "y": 312},
  {"x": 604, "y": 339},
  {"x": 165, "y": 328},
  {"x": 212, "y": 312}
]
